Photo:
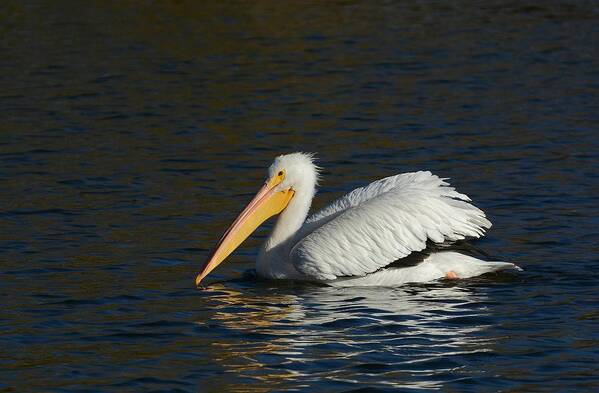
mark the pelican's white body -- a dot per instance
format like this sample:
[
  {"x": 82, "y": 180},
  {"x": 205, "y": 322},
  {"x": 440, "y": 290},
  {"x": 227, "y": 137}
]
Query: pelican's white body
[{"x": 351, "y": 241}]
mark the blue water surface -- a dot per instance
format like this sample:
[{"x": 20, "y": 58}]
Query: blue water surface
[{"x": 132, "y": 133}]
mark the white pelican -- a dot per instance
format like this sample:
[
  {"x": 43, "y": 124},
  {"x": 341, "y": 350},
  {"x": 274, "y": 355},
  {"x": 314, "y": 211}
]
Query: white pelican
[{"x": 361, "y": 238}]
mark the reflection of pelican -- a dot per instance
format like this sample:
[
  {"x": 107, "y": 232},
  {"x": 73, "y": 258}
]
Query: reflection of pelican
[
  {"x": 362, "y": 237},
  {"x": 281, "y": 337}
]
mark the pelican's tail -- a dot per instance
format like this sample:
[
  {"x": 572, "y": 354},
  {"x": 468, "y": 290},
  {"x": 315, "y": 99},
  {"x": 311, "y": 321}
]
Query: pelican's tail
[
  {"x": 464, "y": 266},
  {"x": 445, "y": 264}
]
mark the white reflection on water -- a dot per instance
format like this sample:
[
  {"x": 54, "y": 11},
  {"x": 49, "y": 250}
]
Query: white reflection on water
[{"x": 397, "y": 337}]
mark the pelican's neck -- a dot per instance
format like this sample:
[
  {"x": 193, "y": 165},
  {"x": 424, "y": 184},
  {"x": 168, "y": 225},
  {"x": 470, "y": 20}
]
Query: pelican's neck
[
  {"x": 275, "y": 251},
  {"x": 291, "y": 219}
]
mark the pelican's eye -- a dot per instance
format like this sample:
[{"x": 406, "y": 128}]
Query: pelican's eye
[{"x": 281, "y": 174}]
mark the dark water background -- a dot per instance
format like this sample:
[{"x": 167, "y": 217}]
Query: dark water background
[{"x": 131, "y": 133}]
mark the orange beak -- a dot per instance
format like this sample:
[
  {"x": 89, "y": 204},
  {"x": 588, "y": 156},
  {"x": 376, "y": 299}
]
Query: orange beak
[{"x": 268, "y": 202}]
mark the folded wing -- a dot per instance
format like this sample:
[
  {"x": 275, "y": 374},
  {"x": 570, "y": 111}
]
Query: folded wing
[{"x": 376, "y": 225}]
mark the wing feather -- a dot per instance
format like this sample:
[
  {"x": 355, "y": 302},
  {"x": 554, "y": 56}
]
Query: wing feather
[{"x": 376, "y": 225}]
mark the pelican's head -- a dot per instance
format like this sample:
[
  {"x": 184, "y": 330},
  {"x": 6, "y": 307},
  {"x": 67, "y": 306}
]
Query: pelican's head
[
  {"x": 298, "y": 169},
  {"x": 289, "y": 174}
]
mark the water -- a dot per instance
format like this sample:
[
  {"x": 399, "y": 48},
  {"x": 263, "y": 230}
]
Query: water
[{"x": 133, "y": 133}]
